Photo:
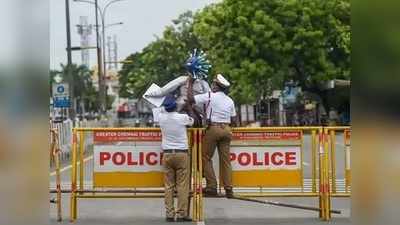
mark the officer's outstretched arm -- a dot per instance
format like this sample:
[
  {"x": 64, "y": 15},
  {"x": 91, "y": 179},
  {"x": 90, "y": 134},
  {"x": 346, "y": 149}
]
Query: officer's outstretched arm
[{"x": 169, "y": 87}]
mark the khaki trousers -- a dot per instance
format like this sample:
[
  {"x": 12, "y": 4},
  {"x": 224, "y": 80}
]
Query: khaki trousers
[
  {"x": 217, "y": 136},
  {"x": 176, "y": 177}
]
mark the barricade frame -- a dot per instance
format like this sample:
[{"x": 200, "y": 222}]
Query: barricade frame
[
  {"x": 323, "y": 193},
  {"x": 322, "y": 150},
  {"x": 77, "y": 158},
  {"x": 331, "y": 132}
]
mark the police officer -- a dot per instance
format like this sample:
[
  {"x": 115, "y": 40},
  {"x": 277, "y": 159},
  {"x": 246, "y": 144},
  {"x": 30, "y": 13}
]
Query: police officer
[
  {"x": 175, "y": 159},
  {"x": 220, "y": 110}
]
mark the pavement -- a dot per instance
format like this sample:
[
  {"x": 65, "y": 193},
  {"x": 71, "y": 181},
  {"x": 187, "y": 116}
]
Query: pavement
[{"x": 216, "y": 211}]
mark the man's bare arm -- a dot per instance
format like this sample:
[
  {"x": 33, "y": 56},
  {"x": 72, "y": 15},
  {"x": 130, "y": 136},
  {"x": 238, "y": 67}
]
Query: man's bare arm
[{"x": 190, "y": 96}]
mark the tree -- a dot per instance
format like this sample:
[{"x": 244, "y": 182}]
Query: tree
[
  {"x": 259, "y": 43},
  {"x": 160, "y": 61}
]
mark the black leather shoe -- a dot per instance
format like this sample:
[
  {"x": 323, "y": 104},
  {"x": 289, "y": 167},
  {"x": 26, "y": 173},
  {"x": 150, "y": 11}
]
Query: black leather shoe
[
  {"x": 184, "y": 219},
  {"x": 208, "y": 192},
  {"x": 170, "y": 219},
  {"x": 229, "y": 193}
]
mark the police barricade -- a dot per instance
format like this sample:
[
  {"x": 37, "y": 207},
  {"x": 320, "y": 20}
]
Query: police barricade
[
  {"x": 338, "y": 141},
  {"x": 267, "y": 162},
  {"x": 271, "y": 161},
  {"x": 126, "y": 163}
]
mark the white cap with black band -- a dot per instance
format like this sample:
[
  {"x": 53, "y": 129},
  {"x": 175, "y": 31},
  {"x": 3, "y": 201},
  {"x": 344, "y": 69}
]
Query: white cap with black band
[{"x": 222, "y": 81}]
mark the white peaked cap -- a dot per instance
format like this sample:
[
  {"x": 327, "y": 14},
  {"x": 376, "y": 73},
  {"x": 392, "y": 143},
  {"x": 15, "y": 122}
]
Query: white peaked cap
[{"x": 221, "y": 80}]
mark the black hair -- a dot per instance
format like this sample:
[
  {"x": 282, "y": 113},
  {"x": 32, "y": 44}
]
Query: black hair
[{"x": 222, "y": 88}]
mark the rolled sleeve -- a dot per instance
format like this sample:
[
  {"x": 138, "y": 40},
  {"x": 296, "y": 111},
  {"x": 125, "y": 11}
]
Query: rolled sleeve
[{"x": 201, "y": 98}]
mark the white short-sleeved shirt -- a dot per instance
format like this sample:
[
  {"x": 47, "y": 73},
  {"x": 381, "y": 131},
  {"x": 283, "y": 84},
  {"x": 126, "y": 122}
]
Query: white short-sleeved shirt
[
  {"x": 173, "y": 130},
  {"x": 219, "y": 105}
]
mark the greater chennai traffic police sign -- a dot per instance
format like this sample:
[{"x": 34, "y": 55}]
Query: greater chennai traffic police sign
[
  {"x": 127, "y": 159},
  {"x": 266, "y": 159}
]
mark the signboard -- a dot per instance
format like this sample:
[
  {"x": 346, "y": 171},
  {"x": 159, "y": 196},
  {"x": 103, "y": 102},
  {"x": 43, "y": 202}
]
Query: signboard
[
  {"x": 125, "y": 159},
  {"x": 267, "y": 138},
  {"x": 61, "y": 95},
  {"x": 118, "y": 136},
  {"x": 267, "y": 159}
]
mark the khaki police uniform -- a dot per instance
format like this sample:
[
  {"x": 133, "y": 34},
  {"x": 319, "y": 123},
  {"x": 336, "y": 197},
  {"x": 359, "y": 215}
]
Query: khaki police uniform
[
  {"x": 220, "y": 109},
  {"x": 175, "y": 161}
]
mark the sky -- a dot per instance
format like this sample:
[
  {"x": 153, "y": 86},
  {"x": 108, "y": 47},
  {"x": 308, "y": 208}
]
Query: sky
[{"x": 142, "y": 20}]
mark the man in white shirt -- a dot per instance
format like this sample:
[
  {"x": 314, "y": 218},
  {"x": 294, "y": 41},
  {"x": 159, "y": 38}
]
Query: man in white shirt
[
  {"x": 220, "y": 110},
  {"x": 175, "y": 159}
]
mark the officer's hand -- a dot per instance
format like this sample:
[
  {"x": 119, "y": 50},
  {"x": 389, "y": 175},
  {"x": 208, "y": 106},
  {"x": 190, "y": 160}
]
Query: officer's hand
[{"x": 190, "y": 79}]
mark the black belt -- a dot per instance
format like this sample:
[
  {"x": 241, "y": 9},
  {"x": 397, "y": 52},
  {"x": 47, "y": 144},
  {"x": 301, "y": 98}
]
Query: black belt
[{"x": 175, "y": 151}]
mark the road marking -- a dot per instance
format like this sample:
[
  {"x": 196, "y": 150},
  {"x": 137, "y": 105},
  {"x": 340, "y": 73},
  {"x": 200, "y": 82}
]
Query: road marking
[
  {"x": 201, "y": 223},
  {"x": 70, "y": 166}
]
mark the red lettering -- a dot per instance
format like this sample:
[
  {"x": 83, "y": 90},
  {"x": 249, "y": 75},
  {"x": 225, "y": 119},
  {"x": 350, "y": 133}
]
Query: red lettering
[
  {"x": 141, "y": 158},
  {"x": 232, "y": 156},
  {"x": 104, "y": 156},
  {"x": 255, "y": 162},
  {"x": 290, "y": 158},
  {"x": 118, "y": 158},
  {"x": 274, "y": 157},
  {"x": 244, "y": 156},
  {"x": 266, "y": 158},
  {"x": 149, "y": 160},
  {"x": 130, "y": 160}
]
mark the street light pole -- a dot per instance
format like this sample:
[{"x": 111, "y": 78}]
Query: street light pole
[
  {"x": 104, "y": 57},
  {"x": 103, "y": 15},
  {"x": 69, "y": 62},
  {"x": 99, "y": 65},
  {"x": 101, "y": 52}
]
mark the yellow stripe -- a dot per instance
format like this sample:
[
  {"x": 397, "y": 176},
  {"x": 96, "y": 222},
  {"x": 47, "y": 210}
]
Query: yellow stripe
[
  {"x": 128, "y": 179},
  {"x": 267, "y": 178}
]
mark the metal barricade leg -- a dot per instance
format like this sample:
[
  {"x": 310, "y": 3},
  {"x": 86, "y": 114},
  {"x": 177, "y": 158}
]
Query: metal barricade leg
[
  {"x": 313, "y": 161},
  {"x": 200, "y": 175},
  {"x": 81, "y": 162},
  {"x": 321, "y": 176},
  {"x": 193, "y": 172},
  {"x": 55, "y": 152},
  {"x": 333, "y": 159},
  {"x": 73, "y": 204},
  {"x": 326, "y": 179}
]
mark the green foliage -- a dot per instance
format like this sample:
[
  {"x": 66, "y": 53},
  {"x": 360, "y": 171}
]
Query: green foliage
[
  {"x": 83, "y": 85},
  {"x": 260, "y": 44},
  {"x": 257, "y": 44}
]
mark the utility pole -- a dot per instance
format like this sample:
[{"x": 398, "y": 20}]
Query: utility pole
[
  {"x": 69, "y": 63},
  {"x": 102, "y": 96}
]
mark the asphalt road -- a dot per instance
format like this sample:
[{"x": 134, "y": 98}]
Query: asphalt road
[{"x": 217, "y": 211}]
